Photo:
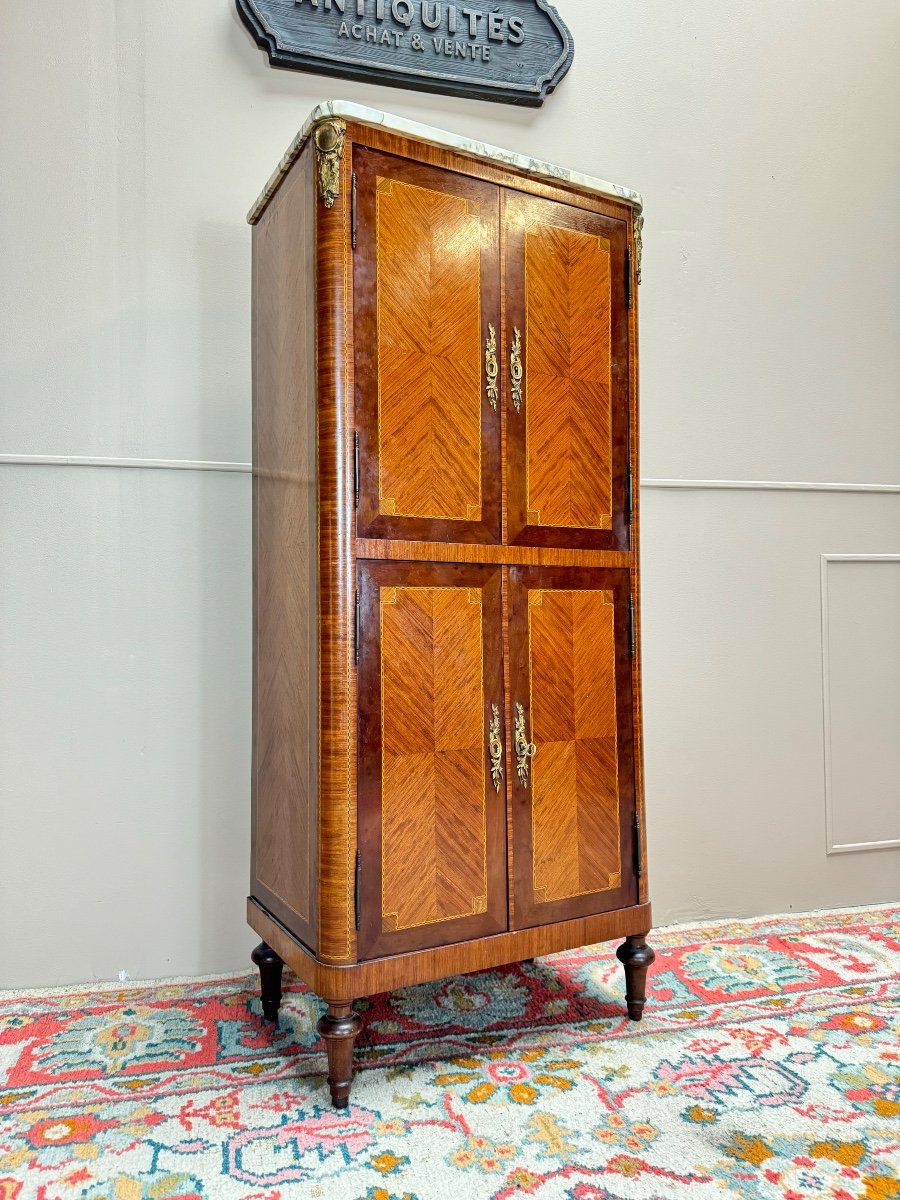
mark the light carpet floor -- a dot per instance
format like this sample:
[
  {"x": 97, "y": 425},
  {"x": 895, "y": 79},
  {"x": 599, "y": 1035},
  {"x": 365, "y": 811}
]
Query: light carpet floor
[{"x": 767, "y": 1067}]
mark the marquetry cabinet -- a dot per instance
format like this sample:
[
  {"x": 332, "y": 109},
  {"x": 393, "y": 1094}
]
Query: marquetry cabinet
[{"x": 446, "y": 715}]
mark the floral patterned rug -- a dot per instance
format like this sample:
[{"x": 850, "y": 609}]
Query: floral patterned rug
[{"x": 767, "y": 1066}]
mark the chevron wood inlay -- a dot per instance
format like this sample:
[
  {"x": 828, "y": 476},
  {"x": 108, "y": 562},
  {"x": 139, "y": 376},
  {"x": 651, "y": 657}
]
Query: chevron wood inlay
[
  {"x": 568, "y": 430},
  {"x": 433, "y": 762},
  {"x": 570, "y": 669},
  {"x": 568, "y": 378},
  {"x": 575, "y": 804},
  {"x": 426, "y": 295},
  {"x": 438, "y": 662},
  {"x": 429, "y": 353}
]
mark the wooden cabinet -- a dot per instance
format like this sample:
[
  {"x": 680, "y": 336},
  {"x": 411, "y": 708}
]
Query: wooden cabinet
[{"x": 447, "y": 753}]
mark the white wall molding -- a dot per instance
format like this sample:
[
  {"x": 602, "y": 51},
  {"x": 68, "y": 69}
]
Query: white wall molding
[
  {"x": 145, "y": 464},
  {"x": 831, "y": 846},
  {"x": 186, "y": 464},
  {"x": 766, "y": 485}
]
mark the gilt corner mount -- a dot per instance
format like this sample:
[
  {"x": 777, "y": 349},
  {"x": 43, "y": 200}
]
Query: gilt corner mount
[{"x": 512, "y": 51}]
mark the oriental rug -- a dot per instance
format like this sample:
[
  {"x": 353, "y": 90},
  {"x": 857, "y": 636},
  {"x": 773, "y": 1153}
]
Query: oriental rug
[{"x": 767, "y": 1067}]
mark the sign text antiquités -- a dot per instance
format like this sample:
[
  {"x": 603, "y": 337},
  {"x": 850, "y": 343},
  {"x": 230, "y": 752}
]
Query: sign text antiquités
[
  {"x": 427, "y": 24},
  {"x": 515, "y": 51}
]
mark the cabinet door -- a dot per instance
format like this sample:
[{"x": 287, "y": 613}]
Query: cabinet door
[
  {"x": 571, "y": 701},
  {"x": 426, "y": 300},
  {"x": 565, "y": 321},
  {"x": 432, "y": 816}
]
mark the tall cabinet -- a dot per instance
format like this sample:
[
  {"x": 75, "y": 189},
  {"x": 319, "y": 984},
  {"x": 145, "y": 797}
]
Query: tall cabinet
[{"x": 447, "y": 735}]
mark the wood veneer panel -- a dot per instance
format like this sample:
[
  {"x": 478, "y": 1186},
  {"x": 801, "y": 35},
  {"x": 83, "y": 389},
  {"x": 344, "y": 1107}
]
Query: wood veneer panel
[
  {"x": 337, "y": 674},
  {"x": 285, "y": 775},
  {"x": 480, "y": 954},
  {"x": 570, "y": 670},
  {"x": 512, "y": 555},
  {"x": 567, "y": 443},
  {"x": 432, "y": 823},
  {"x": 426, "y": 287}
]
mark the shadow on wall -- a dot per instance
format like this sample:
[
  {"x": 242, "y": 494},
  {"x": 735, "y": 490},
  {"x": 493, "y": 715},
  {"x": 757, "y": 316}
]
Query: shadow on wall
[{"x": 223, "y": 267}]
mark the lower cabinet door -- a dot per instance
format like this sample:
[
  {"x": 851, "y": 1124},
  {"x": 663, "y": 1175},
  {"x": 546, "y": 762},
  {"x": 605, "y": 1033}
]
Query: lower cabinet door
[
  {"x": 572, "y": 767},
  {"x": 431, "y": 804}
]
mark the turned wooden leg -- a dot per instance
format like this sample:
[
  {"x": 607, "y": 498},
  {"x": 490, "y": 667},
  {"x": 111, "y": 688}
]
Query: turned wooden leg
[
  {"x": 635, "y": 956},
  {"x": 270, "y": 968},
  {"x": 339, "y": 1028}
]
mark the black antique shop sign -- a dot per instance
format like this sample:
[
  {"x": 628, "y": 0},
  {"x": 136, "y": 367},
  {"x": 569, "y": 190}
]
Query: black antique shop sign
[{"x": 516, "y": 51}]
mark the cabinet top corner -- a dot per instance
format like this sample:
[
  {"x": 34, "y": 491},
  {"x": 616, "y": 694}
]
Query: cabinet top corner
[{"x": 360, "y": 114}]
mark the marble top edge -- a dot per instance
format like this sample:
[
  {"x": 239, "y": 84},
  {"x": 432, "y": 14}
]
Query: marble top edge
[{"x": 363, "y": 115}]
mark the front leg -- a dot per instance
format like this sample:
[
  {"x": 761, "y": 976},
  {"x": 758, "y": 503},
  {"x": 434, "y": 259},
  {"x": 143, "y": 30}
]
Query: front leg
[
  {"x": 270, "y": 968},
  {"x": 339, "y": 1028},
  {"x": 635, "y": 956}
]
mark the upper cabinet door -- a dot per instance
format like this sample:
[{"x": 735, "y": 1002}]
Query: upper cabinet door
[
  {"x": 566, "y": 344},
  {"x": 426, "y": 335},
  {"x": 572, "y": 761},
  {"x": 431, "y": 790}
]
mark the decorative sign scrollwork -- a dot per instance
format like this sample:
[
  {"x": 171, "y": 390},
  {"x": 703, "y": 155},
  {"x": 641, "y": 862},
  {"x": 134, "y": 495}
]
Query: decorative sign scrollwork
[
  {"x": 515, "y": 51},
  {"x": 492, "y": 367},
  {"x": 495, "y": 748}
]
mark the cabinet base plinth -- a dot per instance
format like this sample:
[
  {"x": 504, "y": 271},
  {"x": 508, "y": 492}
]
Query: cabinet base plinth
[{"x": 339, "y": 986}]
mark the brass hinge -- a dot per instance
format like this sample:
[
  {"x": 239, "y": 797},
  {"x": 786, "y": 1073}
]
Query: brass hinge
[
  {"x": 356, "y": 470},
  {"x": 632, "y": 637},
  {"x": 628, "y": 277},
  {"x": 356, "y": 629},
  {"x": 638, "y": 851},
  {"x": 629, "y": 496},
  {"x": 353, "y": 211},
  {"x": 356, "y": 890}
]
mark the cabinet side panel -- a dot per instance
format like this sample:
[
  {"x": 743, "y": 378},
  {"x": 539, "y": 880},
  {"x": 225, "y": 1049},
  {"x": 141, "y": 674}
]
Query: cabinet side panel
[{"x": 285, "y": 766}]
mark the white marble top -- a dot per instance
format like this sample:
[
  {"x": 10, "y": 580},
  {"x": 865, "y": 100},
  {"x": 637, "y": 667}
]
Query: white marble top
[{"x": 363, "y": 115}]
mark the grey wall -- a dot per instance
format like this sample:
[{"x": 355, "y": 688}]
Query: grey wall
[{"x": 134, "y": 138}]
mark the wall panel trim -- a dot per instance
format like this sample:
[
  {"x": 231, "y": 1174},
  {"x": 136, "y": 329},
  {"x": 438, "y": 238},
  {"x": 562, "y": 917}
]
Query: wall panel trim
[
  {"x": 244, "y": 468},
  {"x": 831, "y": 846},
  {"x": 766, "y": 485},
  {"x": 147, "y": 464}
]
